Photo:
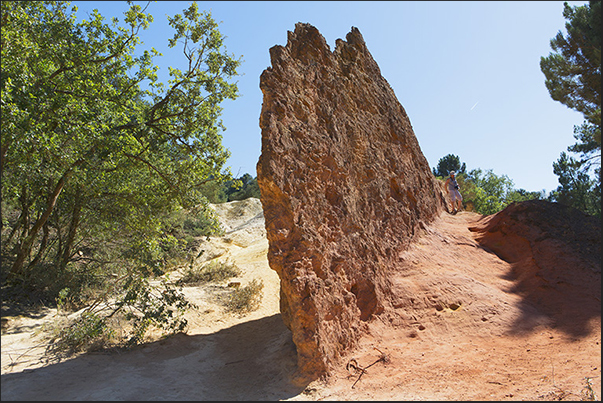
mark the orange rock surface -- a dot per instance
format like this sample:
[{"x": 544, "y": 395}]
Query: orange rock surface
[{"x": 344, "y": 187}]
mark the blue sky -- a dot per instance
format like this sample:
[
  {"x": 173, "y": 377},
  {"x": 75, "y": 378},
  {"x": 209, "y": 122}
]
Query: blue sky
[{"x": 466, "y": 72}]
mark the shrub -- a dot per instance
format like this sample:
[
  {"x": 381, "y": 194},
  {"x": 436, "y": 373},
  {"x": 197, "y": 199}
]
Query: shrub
[
  {"x": 89, "y": 332},
  {"x": 246, "y": 299}
]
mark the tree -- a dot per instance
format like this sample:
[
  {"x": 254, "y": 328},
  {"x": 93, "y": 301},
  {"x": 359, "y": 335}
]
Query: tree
[
  {"x": 487, "y": 193},
  {"x": 247, "y": 186},
  {"x": 573, "y": 73},
  {"x": 94, "y": 149},
  {"x": 519, "y": 195},
  {"x": 449, "y": 163},
  {"x": 573, "y": 77},
  {"x": 576, "y": 188}
]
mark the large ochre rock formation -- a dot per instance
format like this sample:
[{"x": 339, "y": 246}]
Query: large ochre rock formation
[{"x": 344, "y": 187}]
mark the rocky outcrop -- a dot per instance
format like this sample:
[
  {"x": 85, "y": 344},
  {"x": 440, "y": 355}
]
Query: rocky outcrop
[{"x": 344, "y": 188}]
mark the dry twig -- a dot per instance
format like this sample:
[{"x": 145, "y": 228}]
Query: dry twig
[
  {"x": 356, "y": 367},
  {"x": 589, "y": 392}
]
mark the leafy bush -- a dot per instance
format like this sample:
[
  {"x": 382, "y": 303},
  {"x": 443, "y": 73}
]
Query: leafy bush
[
  {"x": 141, "y": 306},
  {"x": 144, "y": 305},
  {"x": 487, "y": 193},
  {"x": 89, "y": 332}
]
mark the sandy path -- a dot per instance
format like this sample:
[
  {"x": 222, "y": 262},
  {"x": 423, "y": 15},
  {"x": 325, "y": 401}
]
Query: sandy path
[
  {"x": 513, "y": 353},
  {"x": 221, "y": 357}
]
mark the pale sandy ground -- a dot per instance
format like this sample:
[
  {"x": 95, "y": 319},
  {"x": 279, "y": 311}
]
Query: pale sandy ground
[{"x": 442, "y": 355}]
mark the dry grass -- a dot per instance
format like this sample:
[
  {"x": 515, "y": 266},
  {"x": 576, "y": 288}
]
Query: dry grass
[
  {"x": 245, "y": 299},
  {"x": 212, "y": 272}
]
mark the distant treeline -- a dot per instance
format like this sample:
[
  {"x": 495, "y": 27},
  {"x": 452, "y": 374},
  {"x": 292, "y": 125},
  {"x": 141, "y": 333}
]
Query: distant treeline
[
  {"x": 487, "y": 193},
  {"x": 237, "y": 189}
]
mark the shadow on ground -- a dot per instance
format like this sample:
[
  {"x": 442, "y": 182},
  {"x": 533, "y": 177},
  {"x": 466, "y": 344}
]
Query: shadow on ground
[{"x": 253, "y": 360}]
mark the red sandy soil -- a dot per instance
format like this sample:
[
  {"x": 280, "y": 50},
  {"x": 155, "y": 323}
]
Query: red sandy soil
[
  {"x": 467, "y": 333},
  {"x": 513, "y": 352}
]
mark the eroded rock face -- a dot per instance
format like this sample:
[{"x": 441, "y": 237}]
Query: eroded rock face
[{"x": 344, "y": 188}]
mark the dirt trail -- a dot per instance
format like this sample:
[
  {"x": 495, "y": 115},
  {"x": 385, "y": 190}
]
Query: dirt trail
[
  {"x": 510, "y": 352},
  {"x": 471, "y": 337}
]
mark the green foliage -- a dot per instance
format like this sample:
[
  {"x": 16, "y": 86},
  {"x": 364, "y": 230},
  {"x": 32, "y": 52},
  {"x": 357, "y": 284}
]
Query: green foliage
[
  {"x": 576, "y": 188},
  {"x": 486, "y": 191},
  {"x": 244, "y": 187},
  {"x": 519, "y": 195},
  {"x": 215, "y": 191},
  {"x": 182, "y": 232},
  {"x": 483, "y": 192},
  {"x": 142, "y": 305},
  {"x": 573, "y": 77},
  {"x": 98, "y": 157},
  {"x": 573, "y": 72},
  {"x": 89, "y": 332},
  {"x": 449, "y": 163},
  {"x": 162, "y": 306},
  {"x": 68, "y": 301},
  {"x": 214, "y": 271},
  {"x": 246, "y": 299},
  {"x": 236, "y": 189},
  {"x": 489, "y": 193}
]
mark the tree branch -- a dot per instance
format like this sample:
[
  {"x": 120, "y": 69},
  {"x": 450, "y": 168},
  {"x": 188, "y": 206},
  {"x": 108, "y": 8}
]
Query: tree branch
[{"x": 165, "y": 178}]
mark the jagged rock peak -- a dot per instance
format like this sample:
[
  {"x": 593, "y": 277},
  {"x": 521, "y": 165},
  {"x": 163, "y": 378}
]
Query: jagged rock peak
[{"x": 344, "y": 188}]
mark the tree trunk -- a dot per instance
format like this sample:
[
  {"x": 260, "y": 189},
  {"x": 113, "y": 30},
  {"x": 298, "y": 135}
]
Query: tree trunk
[
  {"x": 73, "y": 226},
  {"x": 42, "y": 246},
  {"x": 24, "y": 213},
  {"x": 17, "y": 226},
  {"x": 25, "y": 247}
]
